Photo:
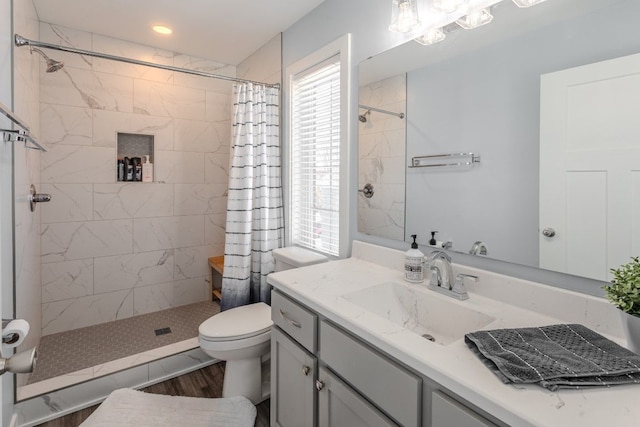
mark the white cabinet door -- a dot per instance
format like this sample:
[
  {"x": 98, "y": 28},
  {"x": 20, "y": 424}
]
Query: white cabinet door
[
  {"x": 590, "y": 167},
  {"x": 341, "y": 406},
  {"x": 293, "y": 373}
]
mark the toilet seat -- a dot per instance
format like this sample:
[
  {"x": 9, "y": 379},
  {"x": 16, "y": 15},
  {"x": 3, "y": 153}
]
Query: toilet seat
[
  {"x": 235, "y": 345},
  {"x": 238, "y": 323}
]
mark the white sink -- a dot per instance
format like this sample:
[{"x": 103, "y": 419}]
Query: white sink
[{"x": 438, "y": 318}]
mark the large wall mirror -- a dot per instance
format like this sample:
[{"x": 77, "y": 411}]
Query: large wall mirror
[{"x": 548, "y": 101}]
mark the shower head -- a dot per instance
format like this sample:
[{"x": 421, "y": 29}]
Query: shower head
[
  {"x": 52, "y": 64},
  {"x": 363, "y": 117}
]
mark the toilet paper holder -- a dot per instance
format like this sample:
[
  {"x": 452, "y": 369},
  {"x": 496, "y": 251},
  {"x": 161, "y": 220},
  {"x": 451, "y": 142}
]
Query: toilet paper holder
[
  {"x": 20, "y": 363},
  {"x": 14, "y": 331},
  {"x": 11, "y": 338}
]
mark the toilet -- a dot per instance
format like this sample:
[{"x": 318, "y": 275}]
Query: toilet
[{"x": 241, "y": 336}]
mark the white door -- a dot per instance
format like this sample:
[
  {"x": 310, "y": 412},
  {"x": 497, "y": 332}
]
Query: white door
[{"x": 590, "y": 167}]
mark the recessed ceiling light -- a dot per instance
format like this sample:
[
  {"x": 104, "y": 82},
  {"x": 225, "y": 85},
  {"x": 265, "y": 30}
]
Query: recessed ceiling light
[{"x": 161, "y": 29}]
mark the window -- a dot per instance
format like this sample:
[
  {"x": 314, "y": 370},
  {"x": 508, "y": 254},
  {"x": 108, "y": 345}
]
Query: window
[{"x": 318, "y": 152}]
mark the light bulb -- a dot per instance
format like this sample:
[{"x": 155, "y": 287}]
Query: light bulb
[
  {"x": 527, "y": 3},
  {"x": 161, "y": 29},
  {"x": 431, "y": 37},
  {"x": 404, "y": 16},
  {"x": 475, "y": 19},
  {"x": 449, "y": 6}
]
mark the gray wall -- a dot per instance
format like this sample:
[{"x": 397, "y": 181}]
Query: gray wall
[
  {"x": 367, "y": 21},
  {"x": 488, "y": 102}
]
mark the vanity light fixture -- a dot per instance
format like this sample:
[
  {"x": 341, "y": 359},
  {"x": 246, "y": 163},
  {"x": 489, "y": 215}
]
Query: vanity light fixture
[
  {"x": 431, "y": 37},
  {"x": 475, "y": 19},
  {"x": 404, "y": 16},
  {"x": 527, "y": 3},
  {"x": 161, "y": 29},
  {"x": 450, "y": 6}
]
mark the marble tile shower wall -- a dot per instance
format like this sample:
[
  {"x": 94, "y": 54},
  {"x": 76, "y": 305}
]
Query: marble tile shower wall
[
  {"x": 113, "y": 250},
  {"x": 382, "y": 159}
]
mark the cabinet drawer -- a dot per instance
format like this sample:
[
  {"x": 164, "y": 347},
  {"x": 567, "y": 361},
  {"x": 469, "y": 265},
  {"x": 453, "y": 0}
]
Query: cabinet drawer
[
  {"x": 389, "y": 386},
  {"x": 298, "y": 322}
]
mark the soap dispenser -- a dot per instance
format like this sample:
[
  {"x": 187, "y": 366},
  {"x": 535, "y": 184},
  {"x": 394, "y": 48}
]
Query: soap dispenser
[
  {"x": 433, "y": 240},
  {"x": 414, "y": 263}
]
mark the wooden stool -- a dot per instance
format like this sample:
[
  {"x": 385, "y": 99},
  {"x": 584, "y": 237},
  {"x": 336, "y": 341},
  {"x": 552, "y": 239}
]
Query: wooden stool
[{"x": 217, "y": 270}]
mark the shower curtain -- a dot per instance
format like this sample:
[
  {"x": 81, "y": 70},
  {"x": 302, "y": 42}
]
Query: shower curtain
[{"x": 255, "y": 223}]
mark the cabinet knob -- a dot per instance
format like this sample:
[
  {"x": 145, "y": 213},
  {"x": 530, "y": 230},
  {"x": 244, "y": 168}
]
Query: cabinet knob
[
  {"x": 548, "y": 232},
  {"x": 319, "y": 385},
  {"x": 305, "y": 370}
]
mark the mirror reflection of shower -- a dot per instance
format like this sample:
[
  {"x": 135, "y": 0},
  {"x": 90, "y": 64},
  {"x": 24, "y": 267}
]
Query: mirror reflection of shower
[
  {"x": 363, "y": 117},
  {"x": 52, "y": 64},
  {"x": 381, "y": 140}
]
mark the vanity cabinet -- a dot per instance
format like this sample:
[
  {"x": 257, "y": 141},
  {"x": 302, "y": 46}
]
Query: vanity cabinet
[
  {"x": 386, "y": 384},
  {"x": 340, "y": 405},
  {"x": 294, "y": 367},
  {"x": 447, "y": 412},
  {"x": 321, "y": 375},
  {"x": 293, "y": 402}
]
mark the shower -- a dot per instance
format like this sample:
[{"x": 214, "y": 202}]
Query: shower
[
  {"x": 363, "y": 117},
  {"x": 52, "y": 64}
]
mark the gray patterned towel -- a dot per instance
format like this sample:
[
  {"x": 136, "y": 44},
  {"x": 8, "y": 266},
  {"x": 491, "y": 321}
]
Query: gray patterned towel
[{"x": 555, "y": 356}]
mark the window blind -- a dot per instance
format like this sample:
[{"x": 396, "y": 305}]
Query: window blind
[{"x": 315, "y": 157}]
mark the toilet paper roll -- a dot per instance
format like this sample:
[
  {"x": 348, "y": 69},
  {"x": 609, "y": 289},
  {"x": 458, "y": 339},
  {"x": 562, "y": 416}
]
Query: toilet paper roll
[{"x": 16, "y": 331}]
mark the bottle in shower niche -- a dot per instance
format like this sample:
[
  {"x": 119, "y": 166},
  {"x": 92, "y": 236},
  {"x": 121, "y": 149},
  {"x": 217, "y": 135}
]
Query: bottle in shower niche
[
  {"x": 137, "y": 169},
  {"x": 147, "y": 170},
  {"x": 414, "y": 263},
  {"x": 128, "y": 169},
  {"x": 120, "y": 170}
]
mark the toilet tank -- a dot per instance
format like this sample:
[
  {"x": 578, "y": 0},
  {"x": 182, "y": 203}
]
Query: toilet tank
[{"x": 294, "y": 257}]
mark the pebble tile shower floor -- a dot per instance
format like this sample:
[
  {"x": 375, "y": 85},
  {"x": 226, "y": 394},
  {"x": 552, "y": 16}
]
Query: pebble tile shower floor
[{"x": 66, "y": 352}]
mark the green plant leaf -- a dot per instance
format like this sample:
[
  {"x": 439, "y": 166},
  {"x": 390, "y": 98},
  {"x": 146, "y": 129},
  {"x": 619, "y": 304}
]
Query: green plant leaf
[{"x": 624, "y": 289}]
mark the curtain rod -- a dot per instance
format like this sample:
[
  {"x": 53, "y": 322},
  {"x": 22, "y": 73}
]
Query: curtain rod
[{"x": 21, "y": 41}]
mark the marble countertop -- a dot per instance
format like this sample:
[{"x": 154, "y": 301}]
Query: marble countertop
[{"x": 512, "y": 302}]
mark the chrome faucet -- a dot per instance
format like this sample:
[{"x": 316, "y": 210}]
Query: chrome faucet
[
  {"x": 441, "y": 277},
  {"x": 478, "y": 248}
]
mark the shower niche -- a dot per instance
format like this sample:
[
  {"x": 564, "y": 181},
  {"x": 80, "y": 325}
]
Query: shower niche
[{"x": 134, "y": 158}]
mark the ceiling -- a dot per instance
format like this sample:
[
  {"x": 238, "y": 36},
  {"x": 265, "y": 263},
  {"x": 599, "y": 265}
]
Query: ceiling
[{"x": 227, "y": 31}]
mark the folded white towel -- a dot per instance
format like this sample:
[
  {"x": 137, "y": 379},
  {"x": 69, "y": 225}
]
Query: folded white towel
[{"x": 125, "y": 407}]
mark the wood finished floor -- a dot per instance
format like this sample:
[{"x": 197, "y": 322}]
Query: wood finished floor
[{"x": 206, "y": 382}]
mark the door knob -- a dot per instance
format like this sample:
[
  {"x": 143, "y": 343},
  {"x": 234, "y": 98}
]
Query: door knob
[{"x": 548, "y": 232}]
